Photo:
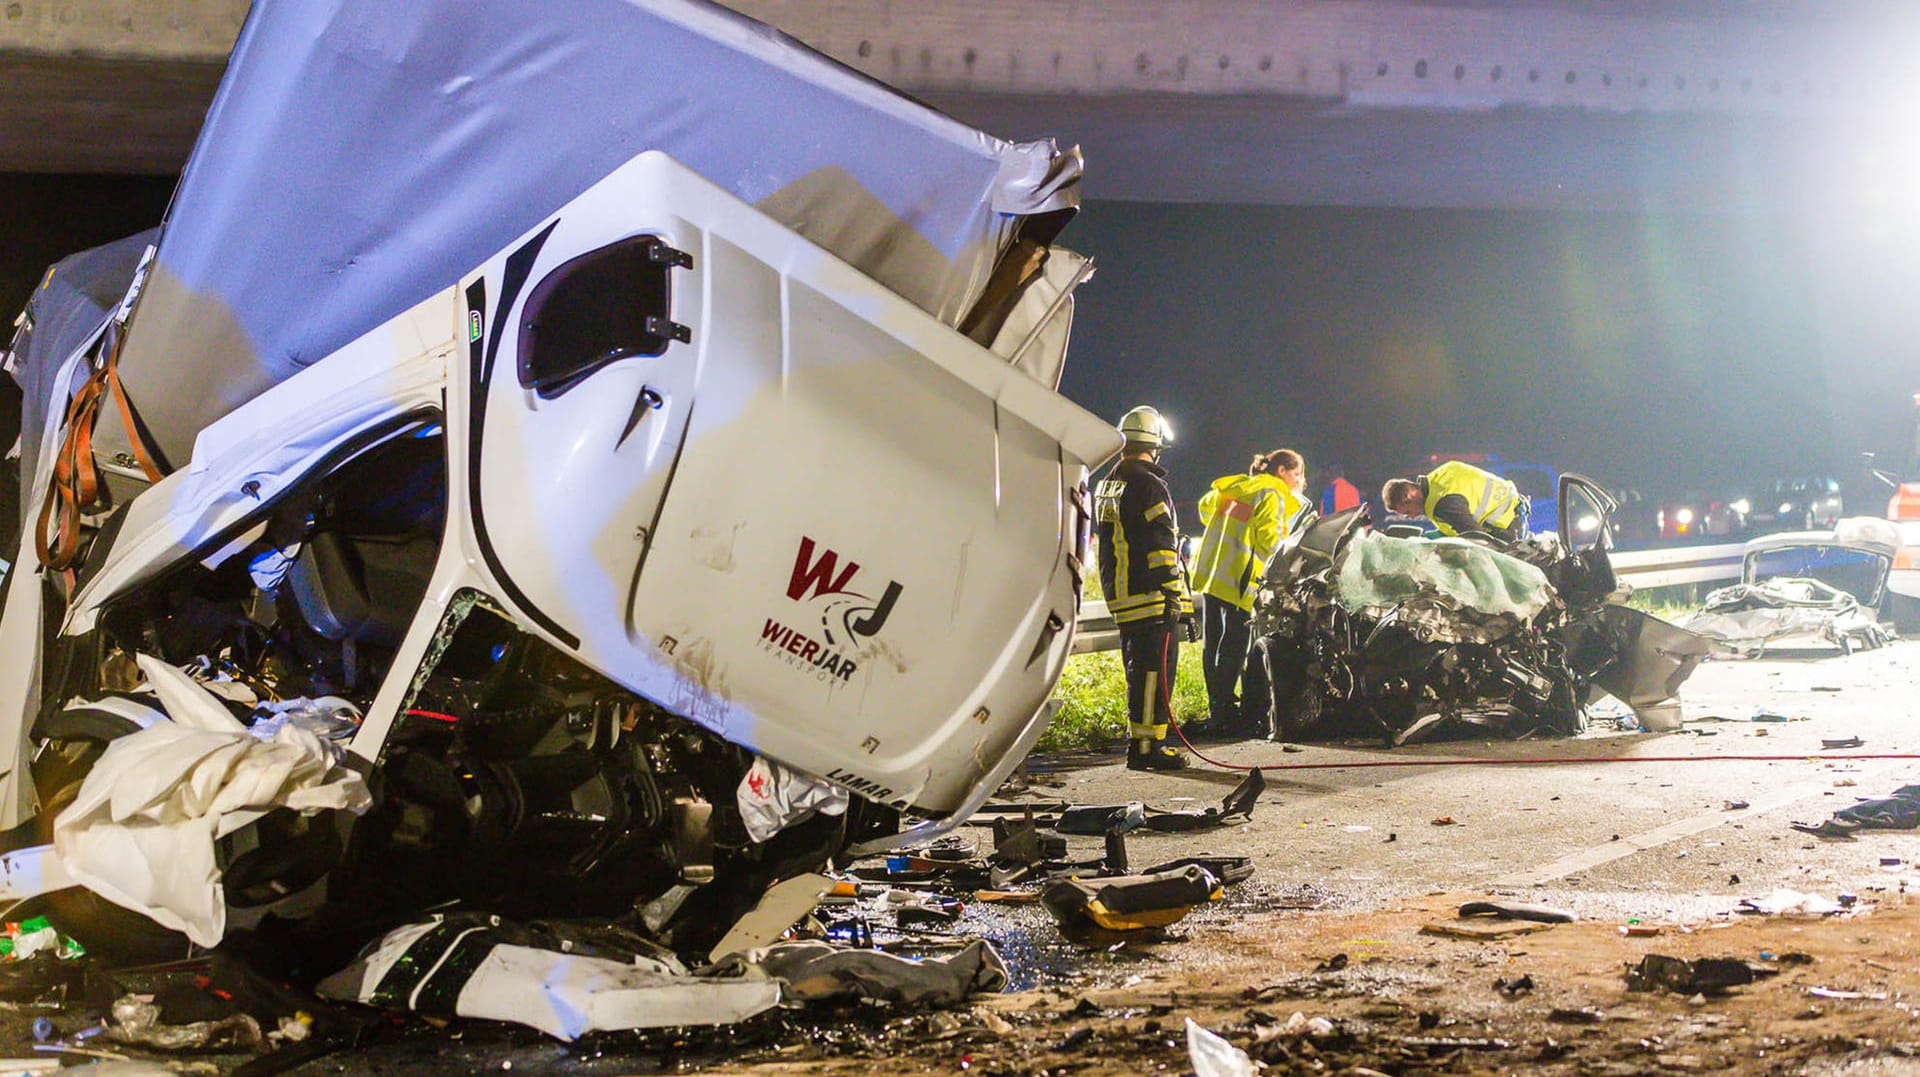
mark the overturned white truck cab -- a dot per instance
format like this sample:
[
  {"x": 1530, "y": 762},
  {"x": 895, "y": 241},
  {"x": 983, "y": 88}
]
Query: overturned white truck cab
[{"x": 558, "y": 411}]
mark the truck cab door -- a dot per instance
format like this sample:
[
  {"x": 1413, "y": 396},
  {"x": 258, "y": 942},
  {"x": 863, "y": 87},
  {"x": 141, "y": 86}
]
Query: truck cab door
[{"x": 579, "y": 383}]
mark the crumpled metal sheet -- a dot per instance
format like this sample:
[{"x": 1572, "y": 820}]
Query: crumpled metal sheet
[{"x": 1748, "y": 616}]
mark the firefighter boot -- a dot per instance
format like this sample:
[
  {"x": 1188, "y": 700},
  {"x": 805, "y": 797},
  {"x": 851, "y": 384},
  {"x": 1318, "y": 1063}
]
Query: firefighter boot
[{"x": 1145, "y": 754}]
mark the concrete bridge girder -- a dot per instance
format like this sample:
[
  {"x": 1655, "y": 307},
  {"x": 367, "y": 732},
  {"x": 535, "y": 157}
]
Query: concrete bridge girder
[{"x": 1385, "y": 102}]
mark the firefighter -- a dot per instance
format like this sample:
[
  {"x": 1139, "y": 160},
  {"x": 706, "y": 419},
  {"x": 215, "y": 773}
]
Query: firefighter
[
  {"x": 1140, "y": 570},
  {"x": 1459, "y": 498},
  {"x": 1244, "y": 517}
]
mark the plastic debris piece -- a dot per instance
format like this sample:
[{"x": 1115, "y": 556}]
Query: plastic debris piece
[
  {"x": 483, "y": 966},
  {"x": 1784, "y": 902},
  {"x": 1129, "y": 902},
  {"x": 774, "y": 797},
  {"x": 1517, "y": 910},
  {"x": 814, "y": 971},
  {"x": 784, "y": 903},
  {"x": 1213, "y": 1056},
  {"x": 1829, "y": 743}
]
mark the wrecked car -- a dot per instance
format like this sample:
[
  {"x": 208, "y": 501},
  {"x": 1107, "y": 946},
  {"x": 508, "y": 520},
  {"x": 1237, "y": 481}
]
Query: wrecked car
[
  {"x": 1824, "y": 586},
  {"x": 1373, "y": 634},
  {"x": 548, "y": 496}
]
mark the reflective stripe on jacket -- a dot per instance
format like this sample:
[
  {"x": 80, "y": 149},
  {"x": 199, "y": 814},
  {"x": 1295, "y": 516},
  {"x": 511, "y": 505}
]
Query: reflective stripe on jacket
[
  {"x": 1139, "y": 543},
  {"x": 1490, "y": 498},
  {"x": 1245, "y": 517}
]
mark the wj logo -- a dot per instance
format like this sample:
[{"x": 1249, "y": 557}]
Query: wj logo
[{"x": 822, "y": 574}]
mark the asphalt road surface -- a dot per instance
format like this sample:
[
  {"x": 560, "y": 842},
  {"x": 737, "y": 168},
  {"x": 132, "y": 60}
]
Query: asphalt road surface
[{"x": 1597, "y": 826}]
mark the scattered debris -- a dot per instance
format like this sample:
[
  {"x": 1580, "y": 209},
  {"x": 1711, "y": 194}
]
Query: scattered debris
[
  {"x": 561, "y": 980},
  {"x": 1832, "y": 743},
  {"x": 1701, "y": 976},
  {"x": 1517, "y": 910},
  {"x": 1515, "y": 985},
  {"x": 1785, "y": 902},
  {"x": 1835, "y": 993},
  {"x": 1129, "y": 903},
  {"x": 1481, "y": 929},
  {"x": 1900, "y": 810},
  {"x": 1112, "y": 818},
  {"x": 1213, "y": 1056},
  {"x": 814, "y": 971}
]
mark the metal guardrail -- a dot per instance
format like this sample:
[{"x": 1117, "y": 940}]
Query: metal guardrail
[{"x": 1641, "y": 568}]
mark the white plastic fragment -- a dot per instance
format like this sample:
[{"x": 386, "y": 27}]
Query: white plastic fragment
[
  {"x": 1213, "y": 1056},
  {"x": 773, "y": 798}
]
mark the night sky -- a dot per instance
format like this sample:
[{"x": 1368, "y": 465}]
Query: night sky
[{"x": 1658, "y": 352}]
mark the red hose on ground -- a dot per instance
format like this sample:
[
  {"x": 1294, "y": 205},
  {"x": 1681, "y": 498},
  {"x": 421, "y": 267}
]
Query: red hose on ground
[
  {"x": 1485, "y": 761},
  {"x": 1182, "y": 734}
]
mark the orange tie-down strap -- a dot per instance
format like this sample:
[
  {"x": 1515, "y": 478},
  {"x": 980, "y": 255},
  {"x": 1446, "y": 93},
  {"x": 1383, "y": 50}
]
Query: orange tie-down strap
[{"x": 76, "y": 488}]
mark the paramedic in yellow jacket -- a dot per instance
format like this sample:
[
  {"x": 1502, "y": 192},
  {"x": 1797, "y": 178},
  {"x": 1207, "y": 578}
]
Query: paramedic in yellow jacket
[
  {"x": 1140, "y": 570},
  {"x": 1244, "y": 517},
  {"x": 1459, "y": 498}
]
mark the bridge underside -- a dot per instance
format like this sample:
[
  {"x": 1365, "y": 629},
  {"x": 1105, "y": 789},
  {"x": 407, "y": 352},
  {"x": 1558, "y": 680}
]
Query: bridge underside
[{"x": 139, "y": 117}]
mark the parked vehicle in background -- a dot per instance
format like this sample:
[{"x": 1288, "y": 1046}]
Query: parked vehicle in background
[
  {"x": 1635, "y": 521},
  {"x": 1796, "y": 504},
  {"x": 1696, "y": 516}
]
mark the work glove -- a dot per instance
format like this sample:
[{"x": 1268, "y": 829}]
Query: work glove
[{"x": 1177, "y": 618}]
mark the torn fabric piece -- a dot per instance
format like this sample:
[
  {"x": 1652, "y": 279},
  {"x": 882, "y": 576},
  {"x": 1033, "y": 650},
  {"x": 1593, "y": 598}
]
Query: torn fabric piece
[
  {"x": 773, "y": 798},
  {"x": 140, "y": 832},
  {"x": 470, "y": 965},
  {"x": 818, "y": 970}
]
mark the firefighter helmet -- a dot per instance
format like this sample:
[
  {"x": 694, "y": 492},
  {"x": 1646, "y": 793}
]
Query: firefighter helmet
[{"x": 1143, "y": 427}]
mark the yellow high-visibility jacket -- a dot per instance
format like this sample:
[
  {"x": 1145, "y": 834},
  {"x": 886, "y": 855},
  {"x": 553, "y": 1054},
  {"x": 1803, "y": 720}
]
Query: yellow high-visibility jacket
[
  {"x": 1244, "y": 517},
  {"x": 1491, "y": 500}
]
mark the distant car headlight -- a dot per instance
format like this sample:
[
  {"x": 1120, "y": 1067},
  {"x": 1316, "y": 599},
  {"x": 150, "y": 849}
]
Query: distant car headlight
[
  {"x": 1742, "y": 506},
  {"x": 1684, "y": 516},
  {"x": 1586, "y": 523},
  {"x": 1786, "y": 506}
]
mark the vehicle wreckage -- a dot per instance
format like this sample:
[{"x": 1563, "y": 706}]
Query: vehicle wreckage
[
  {"x": 1394, "y": 635},
  {"x": 1825, "y": 586},
  {"x": 546, "y": 495}
]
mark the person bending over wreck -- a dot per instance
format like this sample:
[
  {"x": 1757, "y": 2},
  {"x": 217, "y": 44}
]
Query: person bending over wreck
[
  {"x": 1244, "y": 517},
  {"x": 1459, "y": 498},
  {"x": 1140, "y": 569}
]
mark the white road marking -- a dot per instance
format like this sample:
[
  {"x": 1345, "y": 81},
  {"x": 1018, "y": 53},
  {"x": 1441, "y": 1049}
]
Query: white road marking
[{"x": 1596, "y": 855}]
